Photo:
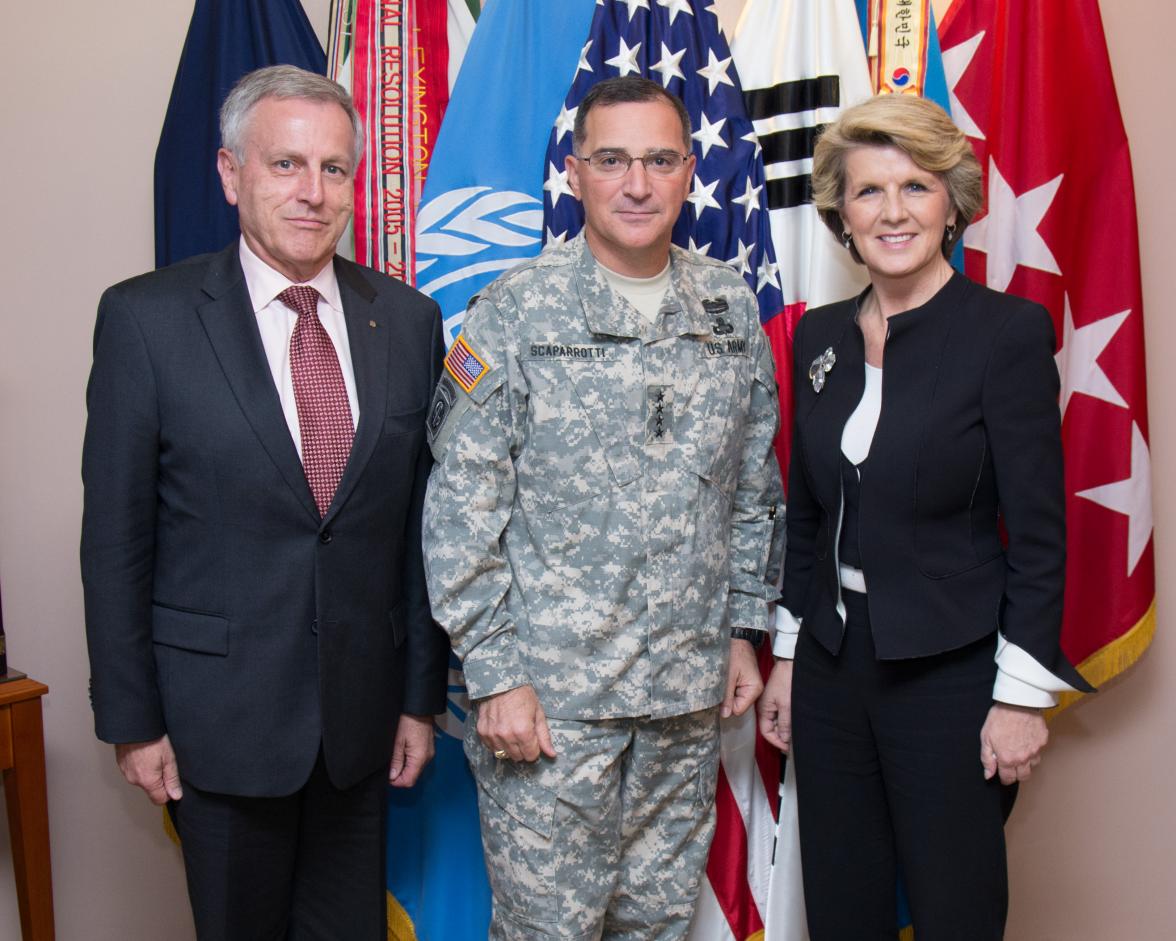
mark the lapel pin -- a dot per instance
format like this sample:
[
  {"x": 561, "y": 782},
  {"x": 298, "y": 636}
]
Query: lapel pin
[
  {"x": 821, "y": 365},
  {"x": 372, "y": 324}
]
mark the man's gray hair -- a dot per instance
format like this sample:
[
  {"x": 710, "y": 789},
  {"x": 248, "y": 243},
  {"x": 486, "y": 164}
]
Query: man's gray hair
[{"x": 280, "y": 81}]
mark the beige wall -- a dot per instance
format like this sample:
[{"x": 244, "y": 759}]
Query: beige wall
[{"x": 88, "y": 84}]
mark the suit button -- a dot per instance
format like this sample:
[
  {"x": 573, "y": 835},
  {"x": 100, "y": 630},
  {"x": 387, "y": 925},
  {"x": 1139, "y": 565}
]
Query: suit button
[
  {"x": 325, "y": 537},
  {"x": 314, "y": 626}
]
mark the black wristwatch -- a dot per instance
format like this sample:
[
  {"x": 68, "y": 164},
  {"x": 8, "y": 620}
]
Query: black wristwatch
[{"x": 752, "y": 636}]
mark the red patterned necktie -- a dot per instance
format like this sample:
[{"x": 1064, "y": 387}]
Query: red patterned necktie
[{"x": 324, "y": 414}]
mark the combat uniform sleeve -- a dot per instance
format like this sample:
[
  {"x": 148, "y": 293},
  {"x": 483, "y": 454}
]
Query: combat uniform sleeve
[
  {"x": 474, "y": 430},
  {"x": 759, "y": 499}
]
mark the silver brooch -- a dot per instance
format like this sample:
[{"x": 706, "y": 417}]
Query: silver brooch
[{"x": 821, "y": 365}]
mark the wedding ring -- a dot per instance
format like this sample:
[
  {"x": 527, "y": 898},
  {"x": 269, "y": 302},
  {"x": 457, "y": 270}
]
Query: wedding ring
[{"x": 500, "y": 754}]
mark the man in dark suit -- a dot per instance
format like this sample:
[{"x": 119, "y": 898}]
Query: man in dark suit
[{"x": 261, "y": 648}]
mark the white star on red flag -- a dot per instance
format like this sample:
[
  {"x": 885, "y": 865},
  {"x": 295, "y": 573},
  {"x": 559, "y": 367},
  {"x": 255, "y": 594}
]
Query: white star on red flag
[
  {"x": 1078, "y": 358},
  {"x": 1131, "y": 497},
  {"x": 1008, "y": 234},
  {"x": 955, "y": 63}
]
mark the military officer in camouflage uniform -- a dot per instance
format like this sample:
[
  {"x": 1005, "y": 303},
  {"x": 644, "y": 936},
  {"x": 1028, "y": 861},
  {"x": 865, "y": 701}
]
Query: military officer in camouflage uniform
[{"x": 598, "y": 534}]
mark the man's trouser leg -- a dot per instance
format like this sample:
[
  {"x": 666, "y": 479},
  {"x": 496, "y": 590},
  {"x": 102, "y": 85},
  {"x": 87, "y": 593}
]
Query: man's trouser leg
[
  {"x": 610, "y": 838},
  {"x": 307, "y": 867}
]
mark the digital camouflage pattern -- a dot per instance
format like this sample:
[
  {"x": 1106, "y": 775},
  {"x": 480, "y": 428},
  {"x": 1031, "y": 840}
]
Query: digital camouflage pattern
[
  {"x": 604, "y": 504},
  {"x": 626, "y": 802}
]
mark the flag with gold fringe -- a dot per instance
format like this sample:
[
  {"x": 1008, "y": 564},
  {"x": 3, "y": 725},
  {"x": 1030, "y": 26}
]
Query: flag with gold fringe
[
  {"x": 395, "y": 57},
  {"x": 1031, "y": 85},
  {"x": 399, "y": 59}
]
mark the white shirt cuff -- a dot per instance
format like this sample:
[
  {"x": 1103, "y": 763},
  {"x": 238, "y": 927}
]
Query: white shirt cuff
[
  {"x": 787, "y": 630},
  {"x": 1022, "y": 681}
]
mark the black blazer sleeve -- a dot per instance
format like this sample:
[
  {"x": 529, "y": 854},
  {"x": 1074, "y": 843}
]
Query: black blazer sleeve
[
  {"x": 119, "y": 468},
  {"x": 803, "y": 513},
  {"x": 427, "y": 644},
  {"x": 1022, "y": 422}
]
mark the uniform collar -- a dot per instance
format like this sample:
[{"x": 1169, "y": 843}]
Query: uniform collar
[{"x": 607, "y": 313}]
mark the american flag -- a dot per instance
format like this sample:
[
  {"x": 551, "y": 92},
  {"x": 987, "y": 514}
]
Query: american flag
[
  {"x": 679, "y": 44},
  {"x": 464, "y": 365}
]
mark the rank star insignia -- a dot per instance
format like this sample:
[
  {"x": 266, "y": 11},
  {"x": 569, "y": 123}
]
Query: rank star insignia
[
  {"x": 820, "y": 367},
  {"x": 659, "y": 420}
]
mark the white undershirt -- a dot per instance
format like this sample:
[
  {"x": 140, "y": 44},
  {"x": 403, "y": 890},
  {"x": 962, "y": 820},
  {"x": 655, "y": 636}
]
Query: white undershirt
[
  {"x": 645, "y": 294},
  {"x": 1020, "y": 679},
  {"x": 275, "y": 322}
]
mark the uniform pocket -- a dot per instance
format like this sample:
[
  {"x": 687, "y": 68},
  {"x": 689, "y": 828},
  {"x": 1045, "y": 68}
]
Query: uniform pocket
[
  {"x": 578, "y": 443},
  {"x": 710, "y": 415},
  {"x": 517, "y": 814},
  {"x": 707, "y": 783},
  {"x": 513, "y": 786}
]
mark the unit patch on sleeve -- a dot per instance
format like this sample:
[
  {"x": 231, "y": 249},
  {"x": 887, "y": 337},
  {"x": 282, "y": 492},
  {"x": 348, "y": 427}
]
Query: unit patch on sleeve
[
  {"x": 466, "y": 367},
  {"x": 443, "y": 398}
]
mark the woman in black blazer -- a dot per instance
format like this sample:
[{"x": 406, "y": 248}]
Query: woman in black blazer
[{"x": 916, "y": 649}]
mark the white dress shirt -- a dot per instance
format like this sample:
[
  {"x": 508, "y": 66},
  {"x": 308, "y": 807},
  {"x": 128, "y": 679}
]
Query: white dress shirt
[{"x": 275, "y": 321}]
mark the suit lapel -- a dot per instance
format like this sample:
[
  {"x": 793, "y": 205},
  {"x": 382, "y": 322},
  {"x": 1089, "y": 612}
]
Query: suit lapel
[
  {"x": 369, "y": 336},
  {"x": 832, "y": 406},
  {"x": 232, "y": 330}
]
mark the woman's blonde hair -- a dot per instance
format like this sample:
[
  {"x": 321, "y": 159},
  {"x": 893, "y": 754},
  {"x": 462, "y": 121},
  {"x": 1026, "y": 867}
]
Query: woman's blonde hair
[{"x": 920, "y": 129}]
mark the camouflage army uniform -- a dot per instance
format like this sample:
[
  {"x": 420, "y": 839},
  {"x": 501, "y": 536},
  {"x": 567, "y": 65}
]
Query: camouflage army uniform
[{"x": 602, "y": 512}]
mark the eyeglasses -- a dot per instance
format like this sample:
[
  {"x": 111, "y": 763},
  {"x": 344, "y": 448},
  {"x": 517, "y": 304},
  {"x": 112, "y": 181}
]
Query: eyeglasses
[{"x": 613, "y": 164}]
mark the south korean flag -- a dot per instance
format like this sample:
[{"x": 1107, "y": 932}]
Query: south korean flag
[{"x": 800, "y": 63}]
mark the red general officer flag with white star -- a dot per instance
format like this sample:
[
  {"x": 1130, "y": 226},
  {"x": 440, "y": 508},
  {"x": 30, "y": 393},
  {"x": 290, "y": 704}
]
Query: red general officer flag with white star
[{"x": 1031, "y": 85}]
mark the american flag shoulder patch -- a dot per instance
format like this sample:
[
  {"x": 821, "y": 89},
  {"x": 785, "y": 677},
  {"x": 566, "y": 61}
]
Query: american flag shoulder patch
[{"x": 466, "y": 366}]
